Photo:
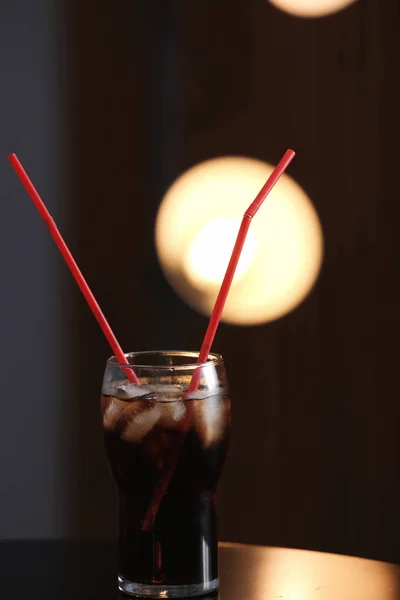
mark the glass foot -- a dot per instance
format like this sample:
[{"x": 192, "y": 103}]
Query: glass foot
[{"x": 144, "y": 590}]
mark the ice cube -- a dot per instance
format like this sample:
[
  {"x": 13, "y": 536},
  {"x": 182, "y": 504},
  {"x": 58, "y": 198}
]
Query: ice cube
[
  {"x": 108, "y": 388},
  {"x": 164, "y": 388},
  {"x": 131, "y": 390},
  {"x": 142, "y": 416},
  {"x": 113, "y": 412},
  {"x": 199, "y": 395},
  {"x": 173, "y": 412},
  {"x": 209, "y": 419}
]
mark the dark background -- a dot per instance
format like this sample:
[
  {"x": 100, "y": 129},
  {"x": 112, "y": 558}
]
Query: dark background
[{"x": 106, "y": 103}]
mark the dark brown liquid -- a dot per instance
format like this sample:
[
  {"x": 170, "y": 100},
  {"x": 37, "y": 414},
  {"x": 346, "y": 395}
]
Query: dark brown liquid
[{"x": 182, "y": 548}]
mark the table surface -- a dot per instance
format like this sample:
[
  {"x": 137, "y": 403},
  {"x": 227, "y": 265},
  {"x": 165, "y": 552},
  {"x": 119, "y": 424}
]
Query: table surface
[{"x": 86, "y": 571}]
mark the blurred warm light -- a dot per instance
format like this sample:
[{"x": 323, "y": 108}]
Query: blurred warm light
[
  {"x": 197, "y": 225},
  {"x": 311, "y": 8},
  {"x": 204, "y": 266}
]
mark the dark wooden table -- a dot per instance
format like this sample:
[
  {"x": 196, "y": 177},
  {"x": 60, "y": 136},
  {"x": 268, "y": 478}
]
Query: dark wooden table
[{"x": 54, "y": 570}]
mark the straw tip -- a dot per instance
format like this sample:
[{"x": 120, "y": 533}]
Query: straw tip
[{"x": 12, "y": 156}]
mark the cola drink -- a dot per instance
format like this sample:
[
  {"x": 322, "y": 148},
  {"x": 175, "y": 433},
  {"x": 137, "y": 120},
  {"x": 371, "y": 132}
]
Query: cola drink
[{"x": 143, "y": 427}]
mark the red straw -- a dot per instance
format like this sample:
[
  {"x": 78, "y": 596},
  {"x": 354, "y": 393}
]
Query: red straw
[
  {"x": 230, "y": 272},
  {"x": 162, "y": 486},
  {"x": 69, "y": 259}
]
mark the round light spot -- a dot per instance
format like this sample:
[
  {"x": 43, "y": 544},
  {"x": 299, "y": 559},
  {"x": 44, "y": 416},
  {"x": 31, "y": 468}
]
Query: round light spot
[
  {"x": 196, "y": 228},
  {"x": 311, "y": 8}
]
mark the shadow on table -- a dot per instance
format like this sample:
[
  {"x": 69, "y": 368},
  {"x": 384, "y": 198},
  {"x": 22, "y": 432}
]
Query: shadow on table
[{"x": 60, "y": 570}]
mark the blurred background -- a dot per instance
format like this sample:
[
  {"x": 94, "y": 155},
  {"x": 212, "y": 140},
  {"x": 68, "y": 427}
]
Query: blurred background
[{"x": 106, "y": 104}]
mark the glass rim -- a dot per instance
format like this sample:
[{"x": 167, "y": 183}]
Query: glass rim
[{"x": 213, "y": 359}]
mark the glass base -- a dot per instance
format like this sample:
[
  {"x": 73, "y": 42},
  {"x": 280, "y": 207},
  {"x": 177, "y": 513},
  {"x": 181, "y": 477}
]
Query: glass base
[{"x": 144, "y": 590}]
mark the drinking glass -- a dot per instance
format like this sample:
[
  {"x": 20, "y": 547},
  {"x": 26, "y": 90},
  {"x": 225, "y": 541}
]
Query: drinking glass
[{"x": 166, "y": 448}]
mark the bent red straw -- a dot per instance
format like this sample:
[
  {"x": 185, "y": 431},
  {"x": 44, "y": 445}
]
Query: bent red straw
[
  {"x": 69, "y": 259},
  {"x": 162, "y": 486},
  {"x": 233, "y": 262}
]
